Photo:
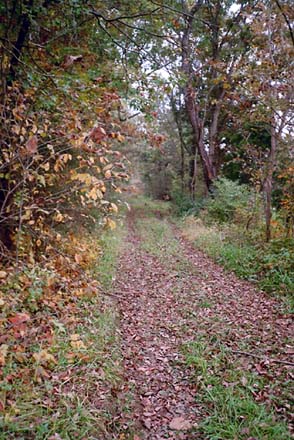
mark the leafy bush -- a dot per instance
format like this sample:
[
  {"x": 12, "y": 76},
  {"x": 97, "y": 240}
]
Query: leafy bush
[
  {"x": 229, "y": 199},
  {"x": 182, "y": 201}
]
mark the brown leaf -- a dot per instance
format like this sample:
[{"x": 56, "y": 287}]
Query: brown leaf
[
  {"x": 3, "y": 353},
  {"x": 180, "y": 424},
  {"x": 97, "y": 134},
  {"x": 32, "y": 145},
  {"x": 3, "y": 274},
  {"x": 70, "y": 59},
  {"x": 19, "y": 319}
]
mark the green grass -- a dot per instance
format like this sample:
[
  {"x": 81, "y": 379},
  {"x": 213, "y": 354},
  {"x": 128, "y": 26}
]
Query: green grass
[
  {"x": 228, "y": 394},
  {"x": 157, "y": 237},
  {"x": 148, "y": 207},
  {"x": 270, "y": 265},
  {"x": 111, "y": 243}
]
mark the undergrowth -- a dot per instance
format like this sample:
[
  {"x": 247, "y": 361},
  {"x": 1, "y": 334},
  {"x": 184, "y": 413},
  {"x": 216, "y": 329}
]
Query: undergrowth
[{"x": 60, "y": 355}]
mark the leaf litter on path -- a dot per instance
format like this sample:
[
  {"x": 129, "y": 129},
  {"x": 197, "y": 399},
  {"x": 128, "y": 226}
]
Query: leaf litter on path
[{"x": 160, "y": 313}]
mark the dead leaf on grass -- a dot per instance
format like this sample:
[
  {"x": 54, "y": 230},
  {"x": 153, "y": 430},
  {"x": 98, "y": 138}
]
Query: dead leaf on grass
[{"x": 180, "y": 424}]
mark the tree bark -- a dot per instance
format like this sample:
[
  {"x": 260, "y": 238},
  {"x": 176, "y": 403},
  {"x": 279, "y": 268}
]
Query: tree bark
[
  {"x": 209, "y": 172},
  {"x": 183, "y": 147},
  {"x": 192, "y": 108},
  {"x": 268, "y": 184},
  {"x": 18, "y": 45}
]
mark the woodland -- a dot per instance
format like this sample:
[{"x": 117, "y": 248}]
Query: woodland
[{"x": 146, "y": 219}]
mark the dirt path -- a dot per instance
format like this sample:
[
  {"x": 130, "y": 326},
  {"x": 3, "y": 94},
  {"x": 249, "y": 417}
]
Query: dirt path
[{"x": 163, "y": 310}]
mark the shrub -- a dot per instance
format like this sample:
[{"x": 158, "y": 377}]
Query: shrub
[
  {"x": 183, "y": 202},
  {"x": 229, "y": 201}
]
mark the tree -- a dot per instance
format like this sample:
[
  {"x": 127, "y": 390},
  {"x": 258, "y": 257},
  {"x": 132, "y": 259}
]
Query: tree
[{"x": 270, "y": 87}]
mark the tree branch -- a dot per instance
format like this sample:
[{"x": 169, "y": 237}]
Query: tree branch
[{"x": 286, "y": 20}]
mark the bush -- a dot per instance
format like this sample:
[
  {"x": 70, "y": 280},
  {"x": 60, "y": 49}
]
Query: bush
[
  {"x": 230, "y": 201},
  {"x": 183, "y": 202}
]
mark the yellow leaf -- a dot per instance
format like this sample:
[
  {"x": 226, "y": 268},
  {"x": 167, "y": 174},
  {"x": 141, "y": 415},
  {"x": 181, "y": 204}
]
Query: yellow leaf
[
  {"x": 77, "y": 344},
  {"x": 107, "y": 174},
  {"x": 58, "y": 217},
  {"x": 108, "y": 167},
  {"x": 46, "y": 166},
  {"x": 76, "y": 341},
  {"x": 27, "y": 215},
  {"x": 66, "y": 157},
  {"x": 3, "y": 353},
  {"x": 43, "y": 357},
  {"x": 110, "y": 224},
  {"x": 41, "y": 179},
  {"x": 120, "y": 138},
  {"x": 114, "y": 208},
  {"x": 93, "y": 194}
]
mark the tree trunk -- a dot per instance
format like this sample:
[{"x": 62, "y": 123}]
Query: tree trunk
[
  {"x": 209, "y": 172},
  {"x": 192, "y": 109},
  {"x": 214, "y": 150},
  {"x": 18, "y": 45},
  {"x": 268, "y": 184},
  {"x": 183, "y": 146}
]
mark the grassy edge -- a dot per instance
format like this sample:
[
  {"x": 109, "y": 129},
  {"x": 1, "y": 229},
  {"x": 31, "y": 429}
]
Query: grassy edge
[
  {"x": 228, "y": 393},
  {"x": 227, "y": 247},
  {"x": 85, "y": 356}
]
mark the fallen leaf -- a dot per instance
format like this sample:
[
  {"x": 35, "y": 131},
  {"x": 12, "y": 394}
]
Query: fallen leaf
[
  {"x": 19, "y": 319},
  {"x": 110, "y": 224},
  {"x": 76, "y": 341},
  {"x": 180, "y": 424},
  {"x": 70, "y": 59},
  {"x": 44, "y": 358},
  {"x": 3, "y": 353},
  {"x": 32, "y": 145},
  {"x": 107, "y": 174}
]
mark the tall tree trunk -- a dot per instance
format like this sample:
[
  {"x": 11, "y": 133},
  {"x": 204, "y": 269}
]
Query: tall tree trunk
[
  {"x": 268, "y": 183},
  {"x": 209, "y": 173},
  {"x": 183, "y": 146},
  {"x": 214, "y": 150},
  {"x": 193, "y": 173},
  {"x": 18, "y": 45},
  {"x": 192, "y": 107}
]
